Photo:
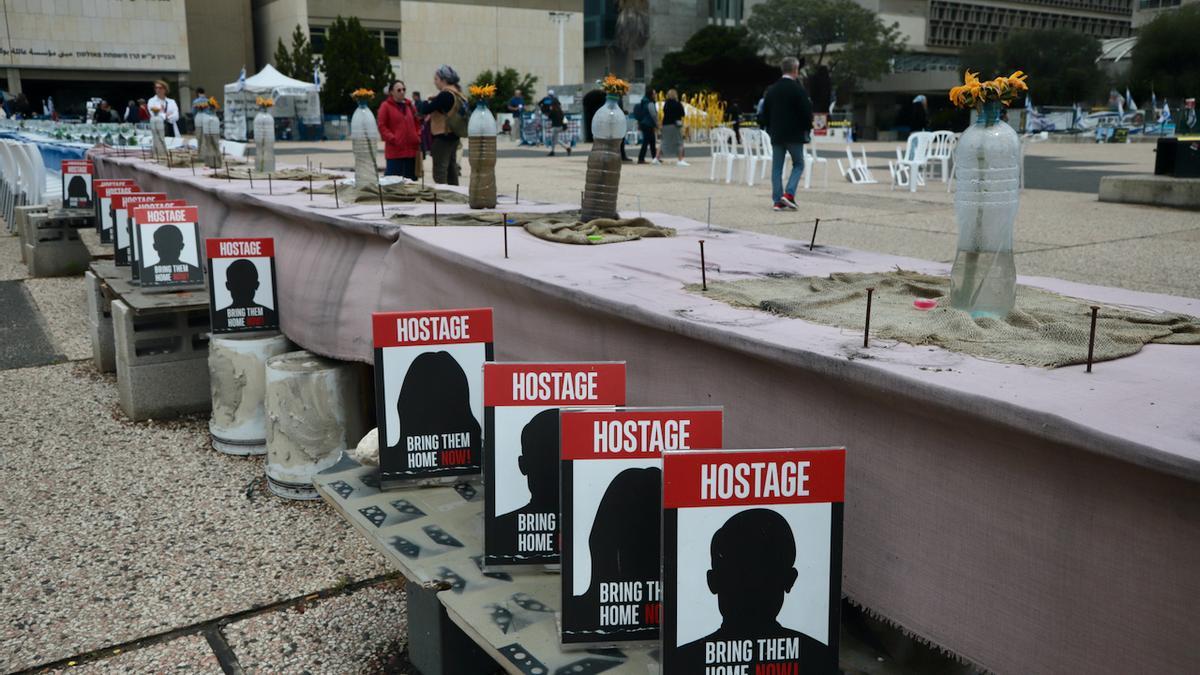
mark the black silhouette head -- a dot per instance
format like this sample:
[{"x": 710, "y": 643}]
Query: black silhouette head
[
  {"x": 753, "y": 566},
  {"x": 620, "y": 552},
  {"x": 436, "y": 398},
  {"x": 77, "y": 188},
  {"x": 242, "y": 281},
  {"x": 168, "y": 242},
  {"x": 539, "y": 456}
]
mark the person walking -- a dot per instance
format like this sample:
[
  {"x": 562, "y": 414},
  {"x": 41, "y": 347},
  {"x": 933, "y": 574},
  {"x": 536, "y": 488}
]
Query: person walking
[
  {"x": 516, "y": 106},
  {"x": 400, "y": 131},
  {"x": 143, "y": 111},
  {"x": 787, "y": 116},
  {"x": 161, "y": 105},
  {"x": 645, "y": 113},
  {"x": 131, "y": 113},
  {"x": 447, "y": 123},
  {"x": 558, "y": 126},
  {"x": 672, "y": 128}
]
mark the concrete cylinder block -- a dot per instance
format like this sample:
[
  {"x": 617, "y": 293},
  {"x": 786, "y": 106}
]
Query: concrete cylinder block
[
  {"x": 237, "y": 368},
  {"x": 314, "y": 414}
]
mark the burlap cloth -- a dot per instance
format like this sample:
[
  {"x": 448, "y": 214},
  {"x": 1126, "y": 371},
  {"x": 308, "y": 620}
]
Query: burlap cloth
[
  {"x": 563, "y": 227},
  {"x": 1045, "y": 329},
  {"x": 407, "y": 193},
  {"x": 243, "y": 173}
]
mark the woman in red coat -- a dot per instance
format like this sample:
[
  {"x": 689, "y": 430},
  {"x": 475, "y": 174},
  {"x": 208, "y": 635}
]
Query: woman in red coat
[{"x": 401, "y": 132}]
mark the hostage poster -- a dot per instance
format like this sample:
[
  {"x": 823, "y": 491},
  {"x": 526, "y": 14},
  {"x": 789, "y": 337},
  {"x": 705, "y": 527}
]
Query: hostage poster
[
  {"x": 169, "y": 241},
  {"x": 120, "y": 206},
  {"x": 611, "y": 478},
  {"x": 752, "y": 557},
  {"x": 77, "y": 183},
  {"x": 429, "y": 392},
  {"x": 135, "y": 253},
  {"x": 241, "y": 288},
  {"x": 106, "y": 189},
  {"x": 521, "y": 402}
]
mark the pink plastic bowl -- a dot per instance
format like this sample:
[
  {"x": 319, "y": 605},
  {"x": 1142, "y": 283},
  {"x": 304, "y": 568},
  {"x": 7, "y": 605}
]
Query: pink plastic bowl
[{"x": 924, "y": 304}]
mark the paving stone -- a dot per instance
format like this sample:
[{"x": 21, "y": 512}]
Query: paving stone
[
  {"x": 115, "y": 530},
  {"x": 355, "y": 633},
  {"x": 190, "y": 654}
]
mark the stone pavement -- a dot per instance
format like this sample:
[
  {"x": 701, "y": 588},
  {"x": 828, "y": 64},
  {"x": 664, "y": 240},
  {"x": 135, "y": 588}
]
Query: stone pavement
[
  {"x": 1062, "y": 230},
  {"x": 135, "y": 547}
]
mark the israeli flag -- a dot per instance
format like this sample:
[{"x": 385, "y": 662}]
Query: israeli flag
[
  {"x": 241, "y": 83},
  {"x": 1153, "y": 102},
  {"x": 1029, "y": 113},
  {"x": 1165, "y": 116},
  {"x": 1129, "y": 104},
  {"x": 316, "y": 75},
  {"x": 832, "y": 101}
]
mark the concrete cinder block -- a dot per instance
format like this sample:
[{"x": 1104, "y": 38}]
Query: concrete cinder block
[
  {"x": 21, "y": 216},
  {"x": 100, "y": 325},
  {"x": 436, "y": 645},
  {"x": 53, "y": 248},
  {"x": 162, "y": 362}
]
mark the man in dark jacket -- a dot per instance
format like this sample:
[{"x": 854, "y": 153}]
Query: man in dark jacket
[{"x": 787, "y": 116}]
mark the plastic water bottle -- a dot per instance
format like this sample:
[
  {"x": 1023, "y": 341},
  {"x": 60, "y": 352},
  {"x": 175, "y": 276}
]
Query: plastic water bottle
[{"x": 983, "y": 280}]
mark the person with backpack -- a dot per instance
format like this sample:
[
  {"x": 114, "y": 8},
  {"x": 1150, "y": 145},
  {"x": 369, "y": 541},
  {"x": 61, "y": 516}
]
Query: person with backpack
[
  {"x": 447, "y": 123},
  {"x": 645, "y": 113}
]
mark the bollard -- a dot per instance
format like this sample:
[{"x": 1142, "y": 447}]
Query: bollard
[
  {"x": 237, "y": 370},
  {"x": 313, "y": 416}
]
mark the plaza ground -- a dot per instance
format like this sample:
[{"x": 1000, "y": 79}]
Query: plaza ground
[{"x": 136, "y": 547}]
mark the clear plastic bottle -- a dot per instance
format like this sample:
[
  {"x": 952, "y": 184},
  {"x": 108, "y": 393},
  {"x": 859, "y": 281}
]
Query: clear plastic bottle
[
  {"x": 604, "y": 162},
  {"x": 264, "y": 142},
  {"x": 212, "y": 137},
  {"x": 364, "y": 135},
  {"x": 987, "y": 170},
  {"x": 481, "y": 153}
]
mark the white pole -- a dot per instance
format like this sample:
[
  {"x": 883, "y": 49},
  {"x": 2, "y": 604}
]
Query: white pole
[{"x": 561, "y": 18}]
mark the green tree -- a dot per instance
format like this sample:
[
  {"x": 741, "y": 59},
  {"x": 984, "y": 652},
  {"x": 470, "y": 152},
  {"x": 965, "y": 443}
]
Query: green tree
[
  {"x": 353, "y": 58},
  {"x": 1061, "y": 63},
  {"x": 283, "y": 59},
  {"x": 507, "y": 81},
  {"x": 1166, "y": 57},
  {"x": 303, "y": 60},
  {"x": 858, "y": 45},
  {"x": 717, "y": 58}
]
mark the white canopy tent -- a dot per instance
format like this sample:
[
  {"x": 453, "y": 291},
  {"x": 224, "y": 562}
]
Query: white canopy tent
[{"x": 293, "y": 98}]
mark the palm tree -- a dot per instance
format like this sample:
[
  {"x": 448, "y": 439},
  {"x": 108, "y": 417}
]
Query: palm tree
[{"x": 633, "y": 25}]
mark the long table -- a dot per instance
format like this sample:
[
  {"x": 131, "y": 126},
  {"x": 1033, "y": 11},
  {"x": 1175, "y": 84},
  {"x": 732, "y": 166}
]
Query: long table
[{"x": 1027, "y": 520}]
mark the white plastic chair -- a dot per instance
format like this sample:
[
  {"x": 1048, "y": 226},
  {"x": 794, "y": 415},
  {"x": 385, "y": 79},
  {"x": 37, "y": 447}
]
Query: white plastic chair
[
  {"x": 941, "y": 152},
  {"x": 810, "y": 159},
  {"x": 856, "y": 171},
  {"x": 756, "y": 151},
  {"x": 724, "y": 150},
  {"x": 906, "y": 171}
]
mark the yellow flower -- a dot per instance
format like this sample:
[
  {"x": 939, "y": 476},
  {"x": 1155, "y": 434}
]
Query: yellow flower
[
  {"x": 484, "y": 91},
  {"x": 212, "y": 101},
  {"x": 1017, "y": 81},
  {"x": 614, "y": 85},
  {"x": 264, "y": 101},
  {"x": 361, "y": 93}
]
